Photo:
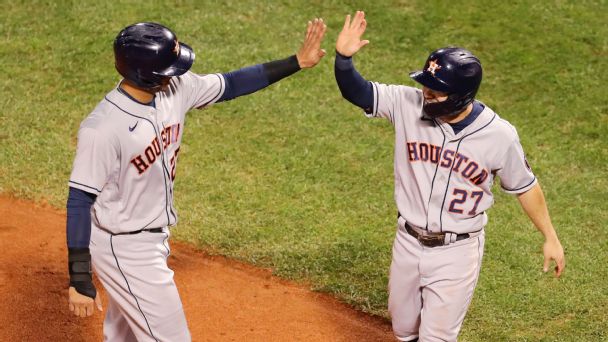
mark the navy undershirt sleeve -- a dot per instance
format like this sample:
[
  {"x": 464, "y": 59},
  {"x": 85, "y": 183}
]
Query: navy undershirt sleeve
[
  {"x": 251, "y": 79},
  {"x": 78, "y": 226},
  {"x": 353, "y": 86},
  {"x": 244, "y": 81}
]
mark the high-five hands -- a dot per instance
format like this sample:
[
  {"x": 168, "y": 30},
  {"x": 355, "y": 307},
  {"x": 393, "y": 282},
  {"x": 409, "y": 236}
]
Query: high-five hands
[
  {"x": 349, "y": 41},
  {"x": 310, "y": 52}
]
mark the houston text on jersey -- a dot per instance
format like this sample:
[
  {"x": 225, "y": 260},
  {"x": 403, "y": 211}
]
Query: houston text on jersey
[
  {"x": 469, "y": 169},
  {"x": 169, "y": 135}
]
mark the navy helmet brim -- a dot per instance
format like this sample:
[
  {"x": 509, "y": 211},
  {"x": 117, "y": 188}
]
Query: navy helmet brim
[
  {"x": 182, "y": 64},
  {"x": 428, "y": 80}
]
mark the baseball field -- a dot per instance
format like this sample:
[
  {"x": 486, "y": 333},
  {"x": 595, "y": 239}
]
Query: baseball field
[{"x": 297, "y": 180}]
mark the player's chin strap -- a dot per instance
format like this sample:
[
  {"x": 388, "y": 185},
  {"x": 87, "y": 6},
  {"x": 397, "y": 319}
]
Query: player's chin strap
[
  {"x": 81, "y": 274},
  {"x": 455, "y": 104}
]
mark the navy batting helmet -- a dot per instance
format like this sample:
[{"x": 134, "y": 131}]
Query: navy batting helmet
[
  {"x": 148, "y": 53},
  {"x": 454, "y": 71}
]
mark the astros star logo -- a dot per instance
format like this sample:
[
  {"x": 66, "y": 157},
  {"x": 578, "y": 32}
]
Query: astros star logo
[
  {"x": 433, "y": 66},
  {"x": 176, "y": 49}
]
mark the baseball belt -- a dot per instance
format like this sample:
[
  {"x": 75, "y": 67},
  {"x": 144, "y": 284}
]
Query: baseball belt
[
  {"x": 433, "y": 239},
  {"x": 149, "y": 230}
]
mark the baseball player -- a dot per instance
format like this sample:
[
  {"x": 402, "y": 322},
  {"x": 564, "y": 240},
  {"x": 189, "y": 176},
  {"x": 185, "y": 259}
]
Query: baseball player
[
  {"x": 120, "y": 203},
  {"x": 449, "y": 147}
]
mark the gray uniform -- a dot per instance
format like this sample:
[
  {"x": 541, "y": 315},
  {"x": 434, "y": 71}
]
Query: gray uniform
[
  {"x": 127, "y": 154},
  {"x": 442, "y": 184}
]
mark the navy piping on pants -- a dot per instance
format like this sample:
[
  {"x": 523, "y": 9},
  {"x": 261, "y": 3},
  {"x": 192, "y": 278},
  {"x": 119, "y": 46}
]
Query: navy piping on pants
[{"x": 129, "y": 287}]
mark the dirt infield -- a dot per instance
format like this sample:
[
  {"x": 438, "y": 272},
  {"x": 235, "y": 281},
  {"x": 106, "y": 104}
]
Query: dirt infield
[{"x": 224, "y": 300}]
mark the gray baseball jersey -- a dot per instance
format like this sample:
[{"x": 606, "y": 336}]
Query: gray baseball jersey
[
  {"x": 127, "y": 153},
  {"x": 443, "y": 180},
  {"x": 443, "y": 183}
]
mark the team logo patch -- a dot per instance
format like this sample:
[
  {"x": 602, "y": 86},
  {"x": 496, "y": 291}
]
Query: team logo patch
[
  {"x": 433, "y": 66},
  {"x": 176, "y": 49}
]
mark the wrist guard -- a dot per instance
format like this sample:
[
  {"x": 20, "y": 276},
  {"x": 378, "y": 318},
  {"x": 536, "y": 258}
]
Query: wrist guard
[
  {"x": 81, "y": 274},
  {"x": 277, "y": 70}
]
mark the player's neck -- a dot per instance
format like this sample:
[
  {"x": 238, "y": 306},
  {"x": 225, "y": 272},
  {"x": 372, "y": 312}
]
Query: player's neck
[
  {"x": 138, "y": 94},
  {"x": 460, "y": 116}
]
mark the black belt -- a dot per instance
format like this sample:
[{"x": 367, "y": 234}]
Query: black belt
[
  {"x": 432, "y": 239},
  {"x": 149, "y": 230}
]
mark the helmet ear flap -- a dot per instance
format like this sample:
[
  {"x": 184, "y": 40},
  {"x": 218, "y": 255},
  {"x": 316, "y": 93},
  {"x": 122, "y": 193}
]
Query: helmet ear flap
[{"x": 147, "y": 80}]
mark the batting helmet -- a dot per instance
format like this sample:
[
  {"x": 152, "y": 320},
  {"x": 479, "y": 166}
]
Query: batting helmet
[
  {"x": 454, "y": 71},
  {"x": 147, "y": 53}
]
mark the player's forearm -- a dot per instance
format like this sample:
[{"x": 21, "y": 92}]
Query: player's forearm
[
  {"x": 78, "y": 223},
  {"x": 533, "y": 203},
  {"x": 251, "y": 79},
  {"x": 78, "y": 231},
  {"x": 353, "y": 86},
  {"x": 279, "y": 69}
]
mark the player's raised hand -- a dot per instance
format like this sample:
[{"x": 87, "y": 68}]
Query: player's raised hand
[
  {"x": 349, "y": 40},
  {"x": 310, "y": 52}
]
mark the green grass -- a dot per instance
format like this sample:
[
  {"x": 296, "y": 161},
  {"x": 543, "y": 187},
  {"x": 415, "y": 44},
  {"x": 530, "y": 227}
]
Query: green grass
[{"x": 296, "y": 179}]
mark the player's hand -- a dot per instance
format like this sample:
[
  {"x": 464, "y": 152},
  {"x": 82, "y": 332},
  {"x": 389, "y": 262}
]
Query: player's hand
[
  {"x": 310, "y": 52},
  {"x": 552, "y": 249},
  {"x": 81, "y": 305},
  {"x": 349, "y": 40}
]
